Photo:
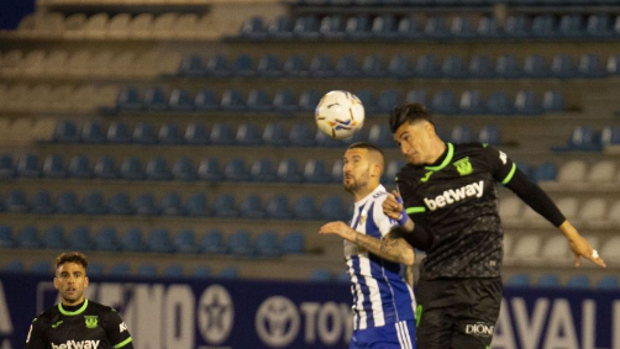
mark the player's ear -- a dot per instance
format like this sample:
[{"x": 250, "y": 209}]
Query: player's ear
[
  {"x": 86, "y": 281},
  {"x": 56, "y": 283}
]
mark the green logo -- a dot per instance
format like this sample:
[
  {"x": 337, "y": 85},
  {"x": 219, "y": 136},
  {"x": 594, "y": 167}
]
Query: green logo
[
  {"x": 57, "y": 324},
  {"x": 91, "y": 321},
  {"x": 463, "y": 166},
  {"x": 426, "y": 177}
]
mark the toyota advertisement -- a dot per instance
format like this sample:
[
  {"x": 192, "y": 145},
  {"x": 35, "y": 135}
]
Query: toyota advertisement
[{"x": 217, "y": 314}]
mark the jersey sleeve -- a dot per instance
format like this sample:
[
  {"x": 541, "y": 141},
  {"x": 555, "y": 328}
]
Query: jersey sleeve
[
  {"x": 35, "y": 339},
  {"x": 502, "y": 167},
  {"x": 383, "y": 222},
  {"x": 413, "y": 205},
  {"x": 117, "y": 331}
]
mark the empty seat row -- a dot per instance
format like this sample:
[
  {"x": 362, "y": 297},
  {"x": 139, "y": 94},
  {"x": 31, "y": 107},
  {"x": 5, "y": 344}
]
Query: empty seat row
[
  {"x": 124, "y": 269},
  {"x": 23, "y": 97},
  {"x": 581, "y": 281},
  {"x": 82, "y": 63},
  {"x": 533, "y": 248},
  {"x": 499, "y": 102},
  {"x": 585, "y": 138},
  {"x": 457, "y": 5},
  {"x": 252, "y": 206},
  {"x": 241, "y": 242},
  {"x": 600, "y": 172},
  {"x": 593, "y": 211},
  {"x": 433, "y": 27},
  {"x": 480, "y": 66}
]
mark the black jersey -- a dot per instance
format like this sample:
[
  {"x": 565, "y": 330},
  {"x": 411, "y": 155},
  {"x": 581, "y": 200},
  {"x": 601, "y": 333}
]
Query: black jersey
[
  {"x": 92, "y": 326},
  {"x": 457, "y": 203}
]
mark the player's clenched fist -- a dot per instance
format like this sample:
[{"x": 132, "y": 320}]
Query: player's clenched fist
[{"x": 393, "y": 206}]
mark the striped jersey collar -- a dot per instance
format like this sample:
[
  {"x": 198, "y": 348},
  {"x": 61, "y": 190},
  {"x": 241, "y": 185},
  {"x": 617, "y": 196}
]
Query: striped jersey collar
[{"x": 362, "y": 202}]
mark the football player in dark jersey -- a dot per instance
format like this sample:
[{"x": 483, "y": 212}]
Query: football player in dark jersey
[
  {"x": 77, "y": 322},
  {"x": 449, "y": 193}
]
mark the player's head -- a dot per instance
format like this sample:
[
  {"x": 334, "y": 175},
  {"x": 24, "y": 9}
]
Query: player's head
[
  {"x": 363, "y": 165},
  {"x": 71, "y": 279},
  {"x": 414, "y": 131}
]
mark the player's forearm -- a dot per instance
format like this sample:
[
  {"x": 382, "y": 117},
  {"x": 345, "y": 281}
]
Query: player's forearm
[
  {"x": 395, "y": 250},
  {"x": 568, "y": 230},
  {"x": 409, "y": 275}
]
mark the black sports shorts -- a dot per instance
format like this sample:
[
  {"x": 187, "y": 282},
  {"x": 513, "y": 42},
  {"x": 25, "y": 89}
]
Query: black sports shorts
[{"x": 457, "y": 313}]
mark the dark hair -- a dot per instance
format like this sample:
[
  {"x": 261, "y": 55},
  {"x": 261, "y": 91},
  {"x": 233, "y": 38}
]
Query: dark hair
[
  {"x": 72, "y": 257},
  {"x": 368, "y": 146},
  {"x": 408, "y": 113}
]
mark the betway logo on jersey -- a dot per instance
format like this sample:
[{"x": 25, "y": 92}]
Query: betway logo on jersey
[
  {"x": 454, "y": 195},
  {"x": 89, "y": 344}
]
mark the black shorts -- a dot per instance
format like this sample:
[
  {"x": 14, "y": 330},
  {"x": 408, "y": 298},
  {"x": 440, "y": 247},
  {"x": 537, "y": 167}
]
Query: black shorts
[{"x": 457, "y": 313}]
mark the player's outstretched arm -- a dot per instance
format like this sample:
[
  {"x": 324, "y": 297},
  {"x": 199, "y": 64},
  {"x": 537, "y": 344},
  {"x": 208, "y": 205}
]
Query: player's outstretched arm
[
  {"x": 580, "y": 246},
  {"x": 392, "y": 247}
]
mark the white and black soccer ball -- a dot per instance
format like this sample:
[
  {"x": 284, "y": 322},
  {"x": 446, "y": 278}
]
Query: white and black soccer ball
[{"x": 339, "y": 114}]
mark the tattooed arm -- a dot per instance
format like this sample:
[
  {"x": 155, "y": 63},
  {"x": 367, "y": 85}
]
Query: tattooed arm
[{"x": 392, "y": 247}]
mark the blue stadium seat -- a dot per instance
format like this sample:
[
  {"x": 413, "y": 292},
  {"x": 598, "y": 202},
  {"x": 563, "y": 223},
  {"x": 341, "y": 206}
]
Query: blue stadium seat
[
  {"x": 129, "y": 99},
  {"x": 240, "y": 244},
  {"x": 427, "y": 66},
  {"x": 243, "y": 66},
  {"x": 384, "y": 27},
  {"x": 579, "y": 282},
  {"x": 598, "y": 26},
  {"x": 321, "y": 66},
  {"x": 236, "y": 171},
  {"x": 183, "y": 170},
  {"x": 209, "y": 170},
  {"x": 548, "y": 281},
  {"x": 387, "y": 100},
  {"x": 146, "y": 269},
  {"x": 280, "y": 28},
  {"x": 14, "y": 267},
  {"x": 27, "y": 166},
  {"x": 314, "y": 172},
  {"x": 471, "y": 103},
  {"x": 348, "y": 66},
  {"x": 105, "y": 239},
  {"x": 229, "y": 273},
  {"x": 562, "y": 67},
  {"x": 222, "y": 134},
  {"x": 507, "y": 67},
  {"x": 526, "y": 102},
  {"x": 409, "y": 28},
  {"x": 7, "y": 170},
  {"x": 480, "y": 67},
  {"x": 185, "y": 242},
  {"x": 173, "y": 271},
  {"x": 157, "y": 170},
  {"x": 67, "y": 203},
  {"x": 232, "y": 100},
  {"x": 131, "y": 240},
  {"x": 368, "y": 100},
  {"x": 488, "y": 28},
  {"x": 275, "y": 135},
  {"x": 118, "y": 133},
  {"x": 323, "y": 140},
  {"x": 454, "y": 67},
  {"x": 333, "y": 209},
  {"x": 196, "y": 205},
  {"x": 590, "y": 67},
  {"x": 332, "y": 27},
  {"x": 66, "y": 132},
  {"x": 180, "y": 100},
  {"x": 443, "y": 103},
  {"x": 293, "y": 243},
  {"x": 159, "y": 241},
  {"x": 517, "y": 27},
  {"x": 213, "y": 242},
  {"x": 79, "y": 240},
  {"x": 262, "y": 171},
  {"x": 269, "y": 66},
  {"x": 553, "y": 102},
  {"x": 545, "y": 172},
  {"x": 155, "y": 99},
  {"x": 392, "y": 169},
  {"x": 373, "y": 66},
  {"x": 6, "y": 237},
  {"x": 92, "y": 132},
  {"x": 95, "y": 269},
  {"x": 608, "y": 282},
  {"x": 217, "y": 66},
  {"x": 535, "y": 67},
  {"x": 53, "y": 167},
  {"x": 288, "y": 171},
  {"x": 320, "y": 275},
  {"x": 120, "y": 269},
  {"x": 543, "y": 27},
  {"x": 206, "y": 100},
  {"x": 462, "y": 28},
  {"x": 169, "y": 134},
  {"x": 201, "y": 271},
  {"x": 295, "y": 66},
  {"x": 584, "y": 138},
  {"x": 41, "y": 267},
  {"x": 196, "y": 134},
  {"x": 308, "y": 100},
  {"x": 300, "y": 135},
  {"x": 79, "y": 167},
  {"x": 416, "y": 96},
  {"x": 381, "y": 136},
  {"x": 253, "y": 29},
  {"x": 399, "y": 67},
  {"x": 92, "y": 204},
  {"x": 251, "y": 207},
  {"x": 358, "y": 27},
  {"x": 306, "y": 27},
  {"x": 172, "y": 205},
  {"x": 118, "y": 204},
  {"x": 304, "y": 208},
  {"x": 105, "y": 168},
  {"x": 53, "y": 238},
  {"x": 41, "y": 203},
  {"x": 285, "y": 101},
  {"x": 15, "y": 202},
  {"x": 144, "y": 205},
  {"x": 258, "y": 101},
  {"x": 225, "y": 206},
  {"x": 498, "y": 103},
  {"x": 435, "y": 28},
  {"x": 191, "y": 66},
  {"x": 248, "y": 135},
  {"x": 490, "y": 134},
  {"x": 460, "y": 134},
  {"x": 610, "y": 135},
  {"x": 28, "y": 237},
  {"x": 131, "y": 169},
  {"x": 571, "y": 27},
  {"x": 144, "y": 133},
  {"x": 277, "y": 208},
  {"x": 519, "y": 280},
  {"x": 266, "y": 244}
]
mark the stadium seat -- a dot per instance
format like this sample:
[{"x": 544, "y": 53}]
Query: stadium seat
[
  {"x": 155, "y": 99},
  {"x": 269, "y": 66},
  {"x": 147, "y": 269},
  {"x": 546, "y": 172},
  {"x": 490, "y": 134},
  {"x": 229, "y": 273},
  {"x": 571, "y": 26},
  {"x": 519, "y": 280},
  {"x": 323, "y": 140},
  {"x": 584, "y": 138},
  {"x": 262, "y": 171},
  {"x": 41, "y": 203},
  {"x": 603, "y": 171},
  {"x": 320, "y": 275},
  {"x": 436, "y": 28},
  {"x": 578, "y": 282},
  {"x": 507, "y": 67},
  {"x": 159, "y": 241},
  {"x": 443, "y": 103},
  {"x": 387, "y": 100},
  {"x": 488, "y": 28},
  {"x": 105, "y": 168},
  {"x": 209, "y": 170},
  {"x": 53, "y": 238},
  {"x": 172, "y": 205},
  {"x": 535, "y": 67},
  {"x": 471, "y": 103},
  {"x": 562, "y": 67},
  {"x": 461, "y": 134},
  {"x": 526, "y": 103},
  {"x": 284, "y": 101},
  {"x": 222, "y": 134},
  {"x": 120, "y": 269},
  {"x": 201, "y": 271},
  {"x": 41, "y": 267},
  {"x": 332, "y": 27},
  {"x": 427, "y": 66},
  {"x": 314, "y": 172},
  {"x": 66, "y": 132},
  {"x": 358, "y": 27},
  {"x": 384, "y": 27},
  {"x": 248, "y": 135},
  {"x": 28, "y": 237},
  {"x": 67, "y": 204},
  {"x": 224, "y": 206},
  {"x": 206, "y": 100},
  {"x": 332, "y": 208},
  {"x": 173, "y": 271},
  {"x": 131, "y": 169},
  {"x": 156, "y": 170},
  {"x": 118, "y": 133},
  {"x": 240, "y": 244},
  {"x": 266, "y": 244},
  {"x": 53, "y": 167},
  {"x": 480, "y": 67},
  {"x": 14, "y": 267},
  {"x": 185, "y": 242},
  {"x": 548, "y": 281},
  {"x": 92, "y": 204},
  {"x": 613, "y": 65},
  {"x": 183, "y": 170},
  {"x": 399, "y": 67},
  {"x": 7, "y": 170},
  {"x": 373, "y": 66},
  {"x": 251, "y": 207},
  {"x": 293, "y": 243},
  {"x": 288, "y": 171},
  {"x": 191, "y": 66},
  {"x": 593, "y": 210},
  {"x": 409, "y": 28},
  {"x": 236, "y": 171},
  {"x": 196, "y": 205},
  {"x": 527, "y": 247},
  {"x": 196, "y": 134},
  {"x": 144, "y": 205},
  {"x": 381, "y": 136},
  {"x": 169, "y": 134},
  {"x": 608, "y": 282},
  {"x": 131, "y": 240},
  {"x": 258, "y": 101},
  {"x": 304, "y": 208},
  {"x": 348, "y": 66},
  {"x": 213, "y": 242},
  {"x": 275, "y": 135},
  {"x": 610, "y": 136},
  {"x": 232, "y": 100},
  {"x": 590, "y": 67},
  {"x": 92, "y": 133},
  {"x": 543, "y": 27},
  {"x": 321, "y": 66},
  {"x": 598, "y": 26},
  {"x": 295, "y": 66},
  {"x": 79, "y": 240},
  {"x": 6, "y": 237},
  {"x": 118, "y": 204},
  {"x": 15, "y": 202},
  {"x": 553, "y": 102},
  {"x": 180, "y": 100},
  {"x": 278, "y": 208},
  {"x": 79, "y": 167},
  {"x": 453, "y": 67},
  {"x": 106, "y": 240},
  {"x": 144, "y": 133},
  {"x": 555, "y": 248}
]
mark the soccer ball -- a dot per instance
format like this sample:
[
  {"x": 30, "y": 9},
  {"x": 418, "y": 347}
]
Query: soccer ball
[{"x": 339, "y": 114}]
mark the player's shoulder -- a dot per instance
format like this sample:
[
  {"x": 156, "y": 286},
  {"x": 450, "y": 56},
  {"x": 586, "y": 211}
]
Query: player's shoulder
[
  {"x": 100, "y": 308},
  {"x": 46, "y": 316},
  {"x": 469, "y": 147},
  {"x": 410, "y": 171}
]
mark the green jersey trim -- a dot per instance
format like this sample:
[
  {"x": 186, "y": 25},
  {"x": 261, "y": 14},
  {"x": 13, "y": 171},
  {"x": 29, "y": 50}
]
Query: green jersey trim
[
  {"x": 73, "y": 313},
  {"x": 445, "y": 162},
  {"x": 510, "y": 175},
  {"x": 123, "y": 343},
  {"x": 416, "y": 209}
]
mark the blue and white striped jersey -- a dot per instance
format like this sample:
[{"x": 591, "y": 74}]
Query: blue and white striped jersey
[{"x": 380, "y": 294}]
